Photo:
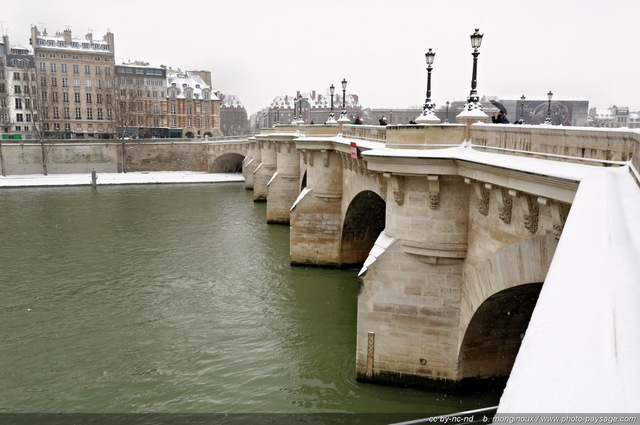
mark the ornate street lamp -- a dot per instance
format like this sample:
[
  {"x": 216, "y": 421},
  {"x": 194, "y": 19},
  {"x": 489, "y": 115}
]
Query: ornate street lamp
[
  {"x": 522, "y": 99},
  {"x": 548, "y": 120},
  {"x": 428, "y": 115},
  {"x": 473, "y": 101},
  {"x": 343, "y": 115},
  {"x": 332, "y": 117},
  {"x": 446, "y": 119}
]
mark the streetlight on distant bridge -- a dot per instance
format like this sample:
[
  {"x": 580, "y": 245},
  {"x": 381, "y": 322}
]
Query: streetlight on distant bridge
[
  {"x": 548, "y": 120},
  {"x": 343, "y": 115},
  {"x": 332, "y": 117}
]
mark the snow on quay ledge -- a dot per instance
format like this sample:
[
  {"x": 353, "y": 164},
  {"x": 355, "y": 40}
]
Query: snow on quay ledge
[{"x": 84, "y": 179}]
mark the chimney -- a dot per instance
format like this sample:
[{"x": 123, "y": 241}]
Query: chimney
[
  {"x": 297, "y": 93},
  {"x": 313, "y": 94}
]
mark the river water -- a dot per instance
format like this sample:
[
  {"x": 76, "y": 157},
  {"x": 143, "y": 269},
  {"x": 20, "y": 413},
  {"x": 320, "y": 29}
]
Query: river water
[{"x": 175, "y": 298}]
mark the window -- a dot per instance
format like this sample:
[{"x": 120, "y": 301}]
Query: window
[
  {"x": 43, "y": 67},
  {"x": 17, "y": 89},
  {"x": 189, "y": 109},
  {"x": 53, "y": 66},
  {"x": 27, "y": 118},
  {"x": 173, "y": 122},
  {"x": 54, "y": 82},
  {"x": 56, "y": 114},
  {"x": 65, "y": 82},
  {"x": 76, "y": 97},
  {"x": 87, "y": 84},
  {"x": 54, "y": 96},
  {"x": 76, "y": 83},
  {"x": 88, "y": 97},
  {"x": 19, "y": 118},
  {"x": 16, "y": 76},
  {"x": 98, "y": 98},
  {"x": 207, "y": 122},
  {"x": 64, "y": 68},
  {"x": 43, "y": 81},
  {"x": 45, "y": 97},
  {"x": 67, "y": 112},
  {"x": 97, "y": 70},
  {"x": 78, "y": 113},
  {"x": 100, "y": 117},
  {"x": 87, "y": 69},
  {"x": 107, "y": 71},
  {"x": 18, "y": 103},
  {"x": 76, "y": 69},
  {"x": 89, "y": 113},
  {"x": 173, "y": 109},
  {"x": 189, "y": 122}
]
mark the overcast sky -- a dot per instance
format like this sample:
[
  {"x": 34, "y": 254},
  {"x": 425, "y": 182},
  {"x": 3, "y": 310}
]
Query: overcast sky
[{"x": 258, "y": 49}]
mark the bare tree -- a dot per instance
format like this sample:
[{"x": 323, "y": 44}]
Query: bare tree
[{"x": 128, "y": 111}]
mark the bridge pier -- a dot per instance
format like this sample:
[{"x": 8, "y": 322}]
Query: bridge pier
[
  {"x": 316, "y": 219},
  {"x": 284, "y": 186},
  {"x": 265, "y": 170},
  {"x": 410, "y": 296},
  {"x": 251, "y": 162}
]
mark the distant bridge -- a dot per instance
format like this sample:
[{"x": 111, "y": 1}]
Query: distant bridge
[{"x": 456, "y": 227}]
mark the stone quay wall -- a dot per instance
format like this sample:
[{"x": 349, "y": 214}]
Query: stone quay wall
[{"x": 69, "y": 157}]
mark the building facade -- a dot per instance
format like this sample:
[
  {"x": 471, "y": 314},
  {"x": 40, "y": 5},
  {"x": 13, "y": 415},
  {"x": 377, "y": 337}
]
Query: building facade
[
  {"x": 311, "y": 107},
  {"x": 74, "y": 85},
  {"x": 17, "y": 83},
  {"x": 141, "y": 97},
  {"x": 193, "y": 109},
  {"x": 233, "y": 116}
]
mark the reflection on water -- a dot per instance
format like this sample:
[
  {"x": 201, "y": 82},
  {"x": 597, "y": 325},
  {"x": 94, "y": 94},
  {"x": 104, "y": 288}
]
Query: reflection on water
[{"x": 176, "y": 298}]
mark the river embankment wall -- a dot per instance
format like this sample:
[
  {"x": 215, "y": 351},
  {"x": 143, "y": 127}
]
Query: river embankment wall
[{"x": 69, "y": 157}]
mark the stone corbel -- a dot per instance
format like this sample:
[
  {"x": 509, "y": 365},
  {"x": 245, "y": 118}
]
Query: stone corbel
[
  {"x": 304, "y": 156},
  {"x": 277, "y": 146},
  {"x": 397, "y": 184},
  {"x": 557, "y": 215},
  {"x": 382, "y": 184},
  {"x": 325, "y": 157},
  {"x": 362, "y": 168},
  {"x": 482, "y": 195},
  {"x": 531, "y": 213},
  {"x": 505, "y": 205},
  {"x": 289, "y": 146},
  {"x": 434, "y": 191},
  {"x": 310, "y": 158}
]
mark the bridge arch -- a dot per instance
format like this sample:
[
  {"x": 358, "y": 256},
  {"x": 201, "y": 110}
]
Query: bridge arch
[
  {"x": 498, "y": 299},
  {"x": 227, "y": 163},
  {"x": 494, "y": 335},
  {"x": 363, "y": 222}
]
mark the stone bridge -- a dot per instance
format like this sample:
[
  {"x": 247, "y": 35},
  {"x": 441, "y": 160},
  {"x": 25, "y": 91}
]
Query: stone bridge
[{"x": 454, "y": 227}]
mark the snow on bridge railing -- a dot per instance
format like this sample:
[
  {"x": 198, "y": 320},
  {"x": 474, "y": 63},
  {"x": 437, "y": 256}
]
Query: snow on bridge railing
[{"x": 373, "y": 133}]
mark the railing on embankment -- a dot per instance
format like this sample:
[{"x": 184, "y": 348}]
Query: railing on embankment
[{"x": 82, "y": 156}]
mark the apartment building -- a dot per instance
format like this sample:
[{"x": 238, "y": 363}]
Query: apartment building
[
  {"x": 141, "y": 96},
  {"x": 17, "y": 83},
  {"x": 74, "y": 85},
  {"x": 193, "y": 108}
]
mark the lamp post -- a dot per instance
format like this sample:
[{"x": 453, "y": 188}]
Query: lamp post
[
  {"x": 343, "y": 115},
  {"x": 548, "y": 120},
  {"x": 522, "y": 99},
  {"x": 428, "y": 115},
  {"x": 332, "y": 117},
  {"x": 446, "y": 118},
  {"x": 473, "y": 101}
]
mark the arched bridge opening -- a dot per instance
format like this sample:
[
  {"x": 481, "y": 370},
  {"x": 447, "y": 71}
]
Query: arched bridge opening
[
  {"x": 363, "y": 223},
  {"x": 227, "y": 163},
  {"x": 494, "y": 335}
]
